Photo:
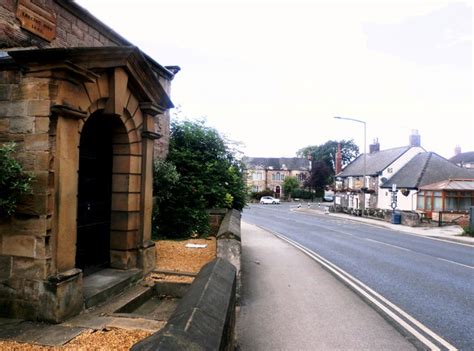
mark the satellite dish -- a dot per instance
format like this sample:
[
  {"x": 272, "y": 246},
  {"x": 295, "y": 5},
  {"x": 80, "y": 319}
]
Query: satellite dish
[{"x": 383, "y": 179}]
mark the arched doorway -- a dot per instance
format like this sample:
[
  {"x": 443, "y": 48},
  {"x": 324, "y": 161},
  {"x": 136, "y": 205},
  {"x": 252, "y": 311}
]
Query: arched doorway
[
  {"x": 277, "y": 191},
  {"x": 94, "y": 194}
]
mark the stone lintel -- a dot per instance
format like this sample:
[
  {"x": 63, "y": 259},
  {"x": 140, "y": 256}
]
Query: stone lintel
[{"x": 68, "y": 112}]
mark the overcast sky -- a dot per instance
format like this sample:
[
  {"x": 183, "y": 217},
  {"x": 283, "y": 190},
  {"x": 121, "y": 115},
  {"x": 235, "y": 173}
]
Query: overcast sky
[{"x": 272, "y": 74}]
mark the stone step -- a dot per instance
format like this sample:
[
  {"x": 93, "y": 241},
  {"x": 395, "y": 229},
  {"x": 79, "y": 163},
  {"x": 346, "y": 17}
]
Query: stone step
[{"x": 103, "y": 285}]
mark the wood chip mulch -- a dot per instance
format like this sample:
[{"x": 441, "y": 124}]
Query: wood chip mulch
[{"x": 107, "y": 339}]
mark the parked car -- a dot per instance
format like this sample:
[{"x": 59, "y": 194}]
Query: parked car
[{"x": 269, "y": 200}]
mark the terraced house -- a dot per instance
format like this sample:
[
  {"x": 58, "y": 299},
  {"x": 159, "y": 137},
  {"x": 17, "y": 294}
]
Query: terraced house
[
  {"x": 88, "y": 112},
  {"x": 269, "y": 172}
]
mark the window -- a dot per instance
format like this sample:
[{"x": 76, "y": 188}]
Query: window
[
  {"x": 255, "y": 188},
  {"x": 453, "y": 201},
  {"x": 438, "y": 201},
  {"x": 257, "y": 176},
  {"x": 301, "y": 177},
  {"x": 420, "y": 203},
  {"x": 277, "y": 176}
]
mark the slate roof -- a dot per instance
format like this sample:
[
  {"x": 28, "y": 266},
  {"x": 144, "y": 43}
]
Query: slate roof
[
  {"x": 451, "y": 184},
  {"x": 465, "y": 157},
  {"x": 290, "y": 163},
  {"x": 376, "y": 162},
  {"x": 427, "y": 168}
]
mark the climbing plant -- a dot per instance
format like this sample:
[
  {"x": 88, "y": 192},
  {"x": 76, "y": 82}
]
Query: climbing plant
[{"x": 14, "y": 181}]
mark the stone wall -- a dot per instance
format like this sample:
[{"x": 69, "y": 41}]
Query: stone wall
[
  {"x": 45, "y": 101},
  {"x": 71, "y": 30}
]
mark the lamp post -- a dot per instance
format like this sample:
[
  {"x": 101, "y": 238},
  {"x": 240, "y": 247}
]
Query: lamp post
[{"x": 365, "y": 152}]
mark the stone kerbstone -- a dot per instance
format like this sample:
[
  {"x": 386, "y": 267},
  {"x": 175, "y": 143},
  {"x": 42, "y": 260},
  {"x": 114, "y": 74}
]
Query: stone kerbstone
[{"x": 230, "y": 226}]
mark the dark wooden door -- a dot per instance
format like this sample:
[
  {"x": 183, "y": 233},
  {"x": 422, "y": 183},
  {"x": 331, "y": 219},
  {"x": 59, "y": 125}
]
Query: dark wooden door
[{"x": 94, "y": 195}]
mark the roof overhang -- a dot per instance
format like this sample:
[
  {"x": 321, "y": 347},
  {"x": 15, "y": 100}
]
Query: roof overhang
[{"x": 143, "y": 78}]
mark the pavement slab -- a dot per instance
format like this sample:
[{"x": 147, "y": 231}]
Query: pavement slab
[{"x": 289, "y": 302}]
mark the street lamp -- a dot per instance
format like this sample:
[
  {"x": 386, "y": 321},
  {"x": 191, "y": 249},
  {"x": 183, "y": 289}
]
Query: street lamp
[{"x": 365, "y": 151}]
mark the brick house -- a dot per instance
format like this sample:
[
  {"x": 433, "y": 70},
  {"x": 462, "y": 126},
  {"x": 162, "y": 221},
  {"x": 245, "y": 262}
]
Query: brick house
[
  {"x": 270, "y": 172},
  {"x": 89, "y": 112}
]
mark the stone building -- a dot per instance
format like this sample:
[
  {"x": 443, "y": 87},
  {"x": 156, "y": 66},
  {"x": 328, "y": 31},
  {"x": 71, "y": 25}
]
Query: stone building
[
  {"x": 269, "y": 172},
  {"x": 88, "y": 112}
]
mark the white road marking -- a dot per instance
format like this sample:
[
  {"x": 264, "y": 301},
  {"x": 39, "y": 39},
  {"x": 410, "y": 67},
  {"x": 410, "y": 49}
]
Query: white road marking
[
  {"x": 380, "y": 242},
  {"x": 358, "y": 285},
  {"x": 459, "y": 264}
]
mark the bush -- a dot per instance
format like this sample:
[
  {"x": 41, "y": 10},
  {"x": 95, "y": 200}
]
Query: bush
[
  {"x": 468, "y": 231},
  {"x": 257, "y": 195},
  {"x": 209, "y": 176},
  {"x": 14, "y": 182},
  {"x": 302, "y": 194}
]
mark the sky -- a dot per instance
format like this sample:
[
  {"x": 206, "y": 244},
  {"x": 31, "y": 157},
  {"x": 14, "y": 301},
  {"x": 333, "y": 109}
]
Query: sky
[{"x": 271, "y": 75}]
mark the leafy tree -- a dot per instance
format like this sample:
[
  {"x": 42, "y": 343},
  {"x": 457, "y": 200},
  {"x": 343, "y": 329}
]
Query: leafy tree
[
  {"x": 290, "y": 184},
  {"x": 209, "y": 174},
  {"x": 318, "y": 179},
  {"x": 327, "y": 152},
  {"x": 14, "y": 182}
]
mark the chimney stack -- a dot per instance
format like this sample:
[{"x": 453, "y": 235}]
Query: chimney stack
[
  {"x": 375, "y": 147},
  {"x": 338, "y": 159},
  {"x": 415, "y": 138},
  {"x": 457, "y": 150}
]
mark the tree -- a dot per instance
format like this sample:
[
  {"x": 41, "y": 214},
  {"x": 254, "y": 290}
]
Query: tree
[
  {"x": 209, "y": 174},
  {"x": 290, "y": 184},
  {"x": 327, "y": 152},
  {"x": 320, "y": 172}
]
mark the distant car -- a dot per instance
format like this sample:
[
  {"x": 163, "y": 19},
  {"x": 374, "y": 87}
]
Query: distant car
[{"x": 269, "y": 200}]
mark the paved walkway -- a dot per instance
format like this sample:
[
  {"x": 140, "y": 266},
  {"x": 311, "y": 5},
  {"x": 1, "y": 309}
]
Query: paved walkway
[{"x": 289, "y": 302}]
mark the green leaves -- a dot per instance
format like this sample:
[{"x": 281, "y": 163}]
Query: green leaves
[
  {"x": 14, "y": 182},
  {"x": 207, "y": 176}
]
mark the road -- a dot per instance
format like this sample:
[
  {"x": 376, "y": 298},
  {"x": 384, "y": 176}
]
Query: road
[{"x": 431, "y": 280}]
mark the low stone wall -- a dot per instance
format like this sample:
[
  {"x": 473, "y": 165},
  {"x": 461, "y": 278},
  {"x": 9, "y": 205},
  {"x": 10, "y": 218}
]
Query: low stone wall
[
  {"x": 204, "y": 318},
  {"x": 229, "y": 246}
]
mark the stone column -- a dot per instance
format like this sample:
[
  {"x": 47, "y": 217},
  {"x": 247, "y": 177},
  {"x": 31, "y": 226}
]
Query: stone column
[{"x": 147, "y": 254}]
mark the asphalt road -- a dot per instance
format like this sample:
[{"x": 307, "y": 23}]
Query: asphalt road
[{"x": 431, "y": 280}]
